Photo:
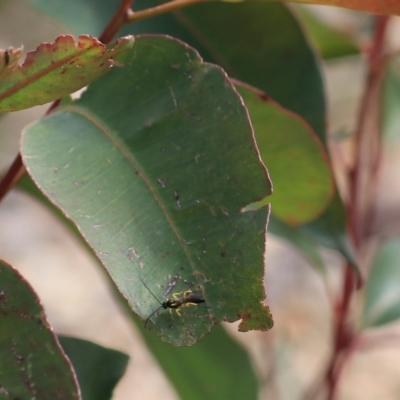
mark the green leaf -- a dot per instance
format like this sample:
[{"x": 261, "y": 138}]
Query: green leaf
[
  {"x": 32, "y": 364},
  {"x": 297, "y": 160},
  {"x": 216, "y": 368},
  {"x": 391, "y": 103},
  {"x": 154, "y": 164},
  {"x": 55, "y": 70},
  {"x": 330, "y": 42},
  {"x": 282, "y": 65},
  {"x": 382, "y": 292},
  {"x": 303, "y": 243},
  {"x": 329, "y": 230},
  {"x": 98, "y": 369}
]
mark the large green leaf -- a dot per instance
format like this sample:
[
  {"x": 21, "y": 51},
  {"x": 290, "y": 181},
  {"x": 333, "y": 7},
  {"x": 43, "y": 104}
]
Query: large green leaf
[
  {"x": 187, "y": 370},
  {"x": 279, "y": 61},
  {"x": 98, "y": 369},
  {"x": 32, "y": 363},
  {"x": 269, "y": 50},
  {"x": 297, "y": 160},
  {"x": 154, "y": 164},
  {"x": 382, "y": 293}
]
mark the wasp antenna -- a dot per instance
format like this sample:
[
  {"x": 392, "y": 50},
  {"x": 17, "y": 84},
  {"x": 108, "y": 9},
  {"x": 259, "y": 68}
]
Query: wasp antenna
[
  {"x": 148, "y": 318},
  {"x": 150, "y": 292}
]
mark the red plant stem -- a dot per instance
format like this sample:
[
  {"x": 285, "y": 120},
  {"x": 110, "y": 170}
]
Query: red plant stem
[
  {"x": 367, "y": 142},
  {"x": 343, "y": 334},
  {"x": 12, "y": 177},
  {"x": 162, "y": 9},
  {"x": 361, "y": 206},
  {"x": 119, "y": 19},
  {"x": 122, "y": 16}
]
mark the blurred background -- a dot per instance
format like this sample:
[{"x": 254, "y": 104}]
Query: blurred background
[{"x": 76, "y": 295}]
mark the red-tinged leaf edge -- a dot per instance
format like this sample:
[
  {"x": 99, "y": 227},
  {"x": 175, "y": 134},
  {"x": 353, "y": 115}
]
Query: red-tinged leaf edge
[{"x": 57, "y": 69}]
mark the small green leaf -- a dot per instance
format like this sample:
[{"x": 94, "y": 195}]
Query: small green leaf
[
  {"x": 382, "y": 293},
  {"x": 297, "y": 160},
  {"x": 330, "y": 42},
  {"x": 330, "y": 230},
  {"x": 57, "y": 69},
  {"x": 155, "y": 164},
  {"x": 391, "y": 103},
  {"x": 32, "y": 363},
  {"x": 304, "y": 244},
  {"x": 98, "y": 369}
]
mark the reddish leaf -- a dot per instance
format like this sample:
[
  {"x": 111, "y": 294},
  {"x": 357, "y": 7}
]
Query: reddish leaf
[
  {"x": 384, "y": 7},
  {"x": 55, "y": 70}
]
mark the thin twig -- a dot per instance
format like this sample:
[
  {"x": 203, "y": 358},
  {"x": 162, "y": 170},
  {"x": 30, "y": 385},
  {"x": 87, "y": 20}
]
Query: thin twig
[
  {"x": 119, "y": 19},
  {"x": 367, "y": 146},
  {"x": 17, "y": 169},
  {"x": 363, "y": 180},
  {"x": 161, "y": 9},
  {"x": 12, "y": 177}
]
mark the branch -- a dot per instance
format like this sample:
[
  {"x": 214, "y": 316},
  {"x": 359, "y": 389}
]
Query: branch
[
  {"x": 361, "y": 205},
  {"x": 161, "y": 9},
  {"x": 119, "y": 19}
]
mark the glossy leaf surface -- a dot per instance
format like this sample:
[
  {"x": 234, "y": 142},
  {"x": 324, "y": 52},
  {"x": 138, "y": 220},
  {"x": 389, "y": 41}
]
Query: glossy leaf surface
[
  {"x": 156, "y": 183},
  {"x": 32, "y": 363}
]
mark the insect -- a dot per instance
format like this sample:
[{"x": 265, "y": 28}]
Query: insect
[
  {"x": 178, "y": 300},
  {"x": 6, "y": 57}
]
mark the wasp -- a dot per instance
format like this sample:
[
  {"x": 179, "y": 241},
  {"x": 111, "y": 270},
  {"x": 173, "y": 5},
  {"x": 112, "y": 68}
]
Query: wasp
[{"x": 177, "y": 300}]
